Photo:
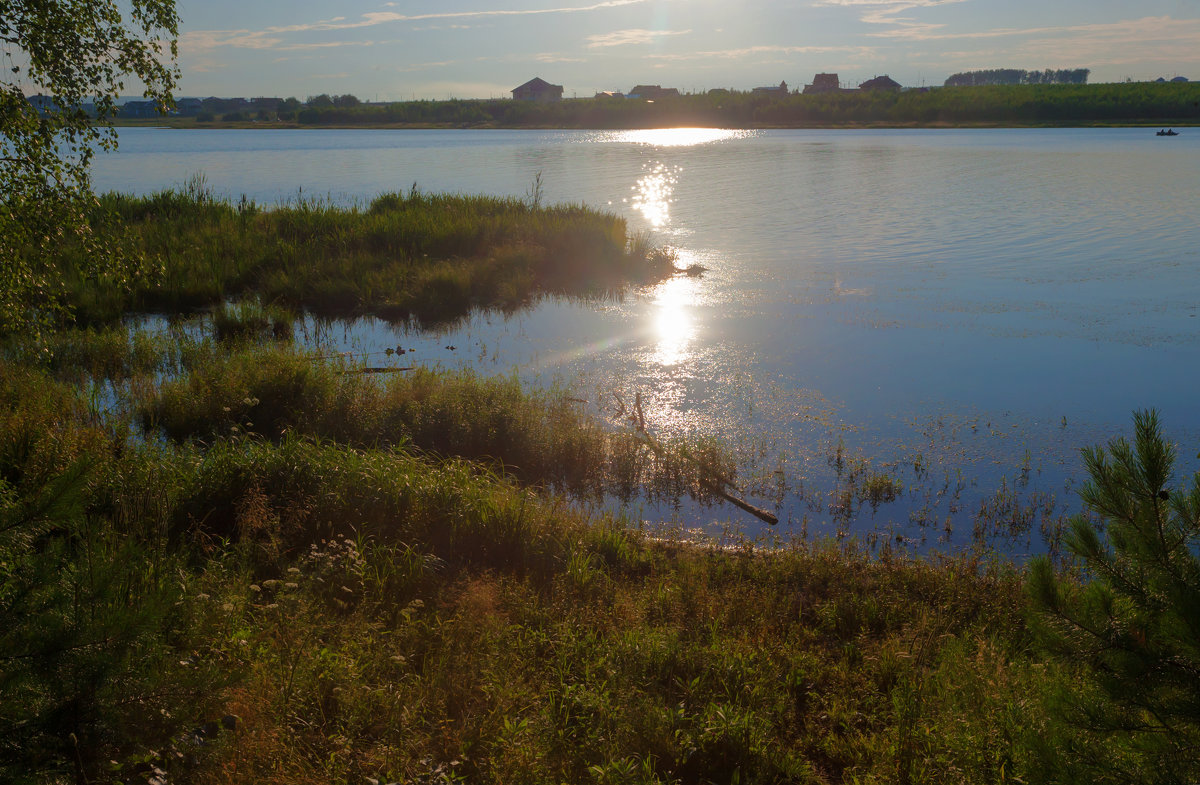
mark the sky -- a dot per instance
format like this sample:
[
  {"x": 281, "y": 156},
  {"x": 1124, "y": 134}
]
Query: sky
[{"x": 438, "y": 49}]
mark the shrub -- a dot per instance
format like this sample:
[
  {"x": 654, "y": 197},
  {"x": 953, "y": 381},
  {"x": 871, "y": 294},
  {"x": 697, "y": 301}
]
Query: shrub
[{"x": 1134, "y": 627}]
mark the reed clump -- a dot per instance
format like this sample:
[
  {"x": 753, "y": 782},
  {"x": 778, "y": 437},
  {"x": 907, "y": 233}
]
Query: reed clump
[
  {"x": 541, "y": 438},
  {"x": 424, "y": 256}
]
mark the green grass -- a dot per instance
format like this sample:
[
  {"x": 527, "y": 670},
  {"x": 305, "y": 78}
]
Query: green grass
[
  {"x": 541, "y": 438},
  {"x": 429, "y": 257},
  {"x": 368, "y": 601}
]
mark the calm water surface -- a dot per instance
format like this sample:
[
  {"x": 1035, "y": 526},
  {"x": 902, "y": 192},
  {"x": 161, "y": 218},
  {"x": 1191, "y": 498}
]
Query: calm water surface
[{"x": 960, "y": 310}]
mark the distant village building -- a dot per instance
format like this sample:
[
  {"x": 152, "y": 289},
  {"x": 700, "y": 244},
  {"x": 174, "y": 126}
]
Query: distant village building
[
  {"x": 823, "y": 83},
  {"x": 609, "y": 94},
  {"x": 189, "y": 106},
  {"x": 46, "y": 105},
  {"x": 781, "y": 89},
  {"x": 539, "y": 90},
  {"x": 652, "y": 92},
  {"x": 42, "y": 104},
  {"x": 884, "y": 82},
  {"x": 140, "y": 109}
]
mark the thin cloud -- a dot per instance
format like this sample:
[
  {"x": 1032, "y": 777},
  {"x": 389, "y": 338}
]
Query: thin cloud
[
  {"x": 323, "y": 45},
  {"x": 1150, "y": 40},
  {"x": 204, "y": 40},
  {"x": 887, "y": 12},
  {"x": 1147, "y": 30},
  {"x": 899, "y": 5},
  {"x": 384, "y": 17},
  {"x": 270, "y": 38},
  {"x": 630, "y": 37},
  {"x": 760, "y": 51},
  {"x": 557, "y": 57},
  {"x": 425, "y": 66}
]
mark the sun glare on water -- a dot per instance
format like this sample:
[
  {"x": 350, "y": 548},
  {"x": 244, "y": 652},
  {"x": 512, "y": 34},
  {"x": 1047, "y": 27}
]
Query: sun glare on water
[
  {"x": 678, "y": 137},
  {"x": 652, "y": 195},
  {"x": 672, "y": 323}
]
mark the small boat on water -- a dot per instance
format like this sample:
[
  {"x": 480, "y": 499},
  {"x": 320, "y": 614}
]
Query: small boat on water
[{"x": 1168, "y": 132}]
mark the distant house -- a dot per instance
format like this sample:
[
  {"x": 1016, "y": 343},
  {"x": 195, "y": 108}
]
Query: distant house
[
  {"x": 884, "y": 82},
  {"x": 46, "y": 105},
  {"x": 140, "y": 109},
  {"x": 823, "y": 83},
  {"x": 189, "y": 106},
  {"x": 652, "y": 92},
  {"x": 609, "y": 94},
  {"x": 781, "y": 89},
  {"x": 42, "y": 104},
  {"x": 539, "y": 90}
]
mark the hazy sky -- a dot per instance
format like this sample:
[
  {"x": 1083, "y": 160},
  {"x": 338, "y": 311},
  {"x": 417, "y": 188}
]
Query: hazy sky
[{"x": 484, "y": 48}]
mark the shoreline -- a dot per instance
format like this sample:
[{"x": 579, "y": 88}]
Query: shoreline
[{"x": 187, "y": 124}]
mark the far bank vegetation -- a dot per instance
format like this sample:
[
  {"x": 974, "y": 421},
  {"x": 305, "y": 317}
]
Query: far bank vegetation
[{"x": 983, "y": 98}]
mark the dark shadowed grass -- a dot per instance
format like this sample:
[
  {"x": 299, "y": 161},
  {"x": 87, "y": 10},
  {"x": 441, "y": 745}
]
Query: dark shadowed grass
[
  {"x": 662, "y": 664},
  {"x": 432, "y": 257}
]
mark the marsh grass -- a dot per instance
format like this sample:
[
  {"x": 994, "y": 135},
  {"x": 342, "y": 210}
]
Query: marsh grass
[
  {"x": 542, "y": 438},
  {"x": 432, "y": 257},
  {"x": 250, "y": 322},
  {"x": 336, "y": 577}
]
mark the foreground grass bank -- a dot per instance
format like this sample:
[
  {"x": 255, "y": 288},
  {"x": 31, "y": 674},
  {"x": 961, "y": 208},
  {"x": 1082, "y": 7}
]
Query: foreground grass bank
[
  {"x": 390, "y": 613},
  {"x": 298, "y": 574}
]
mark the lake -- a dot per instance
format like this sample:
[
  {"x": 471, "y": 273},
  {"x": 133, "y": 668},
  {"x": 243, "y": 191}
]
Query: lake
[{"x": 957, "y": 311}]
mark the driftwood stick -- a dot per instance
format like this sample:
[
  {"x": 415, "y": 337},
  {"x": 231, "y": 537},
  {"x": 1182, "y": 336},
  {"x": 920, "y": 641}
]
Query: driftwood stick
[{"x": 757, "y": 512}]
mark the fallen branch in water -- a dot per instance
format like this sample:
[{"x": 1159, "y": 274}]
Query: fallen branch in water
[
  {"x": 757, "y": 512},
  {"x": 718, "y": 487}
]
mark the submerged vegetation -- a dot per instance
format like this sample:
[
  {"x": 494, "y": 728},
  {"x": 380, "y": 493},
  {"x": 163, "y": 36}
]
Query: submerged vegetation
[{"x": 226, "y": 559}]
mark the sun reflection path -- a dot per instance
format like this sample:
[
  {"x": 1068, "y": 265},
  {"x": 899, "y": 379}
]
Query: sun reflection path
[
  {"x": 652, "y": 194},
  {"x": 679, "y": 137},
  {"x": 673, "y": 328}
]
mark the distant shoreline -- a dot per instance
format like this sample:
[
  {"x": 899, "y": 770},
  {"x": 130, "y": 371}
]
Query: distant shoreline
[
  {"x": 1014, "y": 106},
  {"x": 190, "y": 123}
]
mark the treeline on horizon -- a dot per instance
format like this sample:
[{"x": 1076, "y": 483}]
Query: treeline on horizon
[
  {"x": 1011, "y": 76},
  {"x": 1031, "y": 104}
]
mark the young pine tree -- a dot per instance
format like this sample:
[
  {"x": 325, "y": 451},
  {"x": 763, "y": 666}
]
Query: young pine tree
[{"x": 1133, "y": 624}]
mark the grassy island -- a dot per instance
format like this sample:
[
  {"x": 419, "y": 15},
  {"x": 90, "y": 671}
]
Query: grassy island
[{"x": 226, "y": 560}]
